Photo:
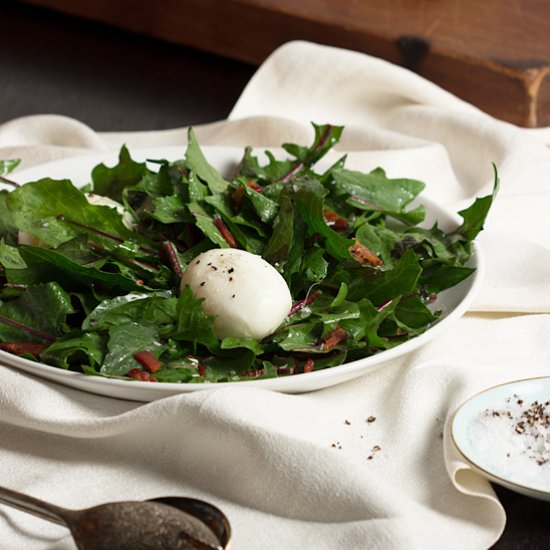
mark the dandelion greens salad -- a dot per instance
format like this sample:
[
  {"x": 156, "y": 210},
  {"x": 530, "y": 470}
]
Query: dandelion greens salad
[{"x": 91, "y": 278}]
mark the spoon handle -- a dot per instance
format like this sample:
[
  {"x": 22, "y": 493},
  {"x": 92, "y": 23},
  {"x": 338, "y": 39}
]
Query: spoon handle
[{"x": 39, "y": 508}]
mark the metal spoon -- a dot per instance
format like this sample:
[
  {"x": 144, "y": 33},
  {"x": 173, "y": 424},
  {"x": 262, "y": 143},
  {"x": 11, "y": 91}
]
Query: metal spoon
[{"x": 158, "y": 524}]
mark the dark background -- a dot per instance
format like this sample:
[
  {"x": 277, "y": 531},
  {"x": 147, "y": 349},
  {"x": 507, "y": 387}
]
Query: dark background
[
  {"x": 117, "y": 81},
  {"x": 108, "y": 79}
]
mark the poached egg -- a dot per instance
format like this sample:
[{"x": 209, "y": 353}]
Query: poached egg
[{"x": 248, "y": 296}]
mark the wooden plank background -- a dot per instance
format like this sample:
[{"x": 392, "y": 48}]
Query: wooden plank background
[{"x": 492, "y": 53}]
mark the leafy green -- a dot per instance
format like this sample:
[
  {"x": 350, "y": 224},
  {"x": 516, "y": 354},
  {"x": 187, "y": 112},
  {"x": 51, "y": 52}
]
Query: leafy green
[
  {"x": 326, "y": 136},
  {"x": 197, "y": 162},
  {"x": 7, "y": 166},
  {"x": 79, "y": 348},
  {"x": 475, "y": 215},
  {"x": 192, "y": 324},
  {"x": 364, "y": 274},
  {"x": 42, "y": 307},
  {"x": 308, "y": 195},
  {"x": 111, "y": 182},
  {"x": 124, "y": 342},
  {"x": 375, "y": 192},
  {"x": 8, "y": 229},
  {"x": 45, "y": 265}
]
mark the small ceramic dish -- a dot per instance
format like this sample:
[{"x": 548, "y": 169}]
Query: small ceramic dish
[{"x": 504, "y": 434}]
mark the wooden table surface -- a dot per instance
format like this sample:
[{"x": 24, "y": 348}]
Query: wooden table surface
[
  {"x": 492, "y": 53},
  {"x": 56, "y": 64}
]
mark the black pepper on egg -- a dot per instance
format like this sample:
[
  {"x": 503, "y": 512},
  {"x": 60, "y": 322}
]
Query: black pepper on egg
[{"x": 259, "y": 309}]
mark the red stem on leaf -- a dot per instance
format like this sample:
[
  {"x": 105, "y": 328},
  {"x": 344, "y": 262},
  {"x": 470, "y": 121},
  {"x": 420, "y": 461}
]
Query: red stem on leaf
[
  {"x": 373, "y": 205},
  {"x": 172, "y": 257},
  {"x": 25, "y": 328},
  {"x": 9, "y": 182},
  {"x": 300, "y": 164},
  {"x": 226, "y": 234},
  {"x": 15, "y": 286},
  {"x": 145, "y": 249},
  {"x": 384, "y": 305},
  {"x": 305, "y": 302},
  {"x": 128, "y": 261}
]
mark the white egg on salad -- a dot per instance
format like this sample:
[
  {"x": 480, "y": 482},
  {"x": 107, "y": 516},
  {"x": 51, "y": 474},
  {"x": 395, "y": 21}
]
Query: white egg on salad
[{"x": 246, "y": 294}]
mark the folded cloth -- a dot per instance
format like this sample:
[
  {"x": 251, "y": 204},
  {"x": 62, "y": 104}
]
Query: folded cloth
[{"x": 365, "y": 464}]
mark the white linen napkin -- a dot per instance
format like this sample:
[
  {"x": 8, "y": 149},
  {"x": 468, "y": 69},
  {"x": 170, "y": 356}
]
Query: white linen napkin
[{"x": 310, "y": 471}]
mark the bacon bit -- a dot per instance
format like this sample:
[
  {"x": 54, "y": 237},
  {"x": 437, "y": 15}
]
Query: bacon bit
[
  {"x": 148, "y": 361},
  {"x": 20, "y": 348},
  {"x": 334, "y": 338},
  {"x": 310, "y": 364},
  {"x": 363, "y": 255},
  {"x": 139, "y": 282},
  {"x": 237, "y": 197},
  {"x": 201, "y": 369},
  {"x": 303, "y": 303},
  {"x": 254, "y": 186},
  {"x": 142, "y": 375},
  {"x": 335, "y": 221},
  {"x": 253, "y": 373},
  {"x": 285, "y": 370},
  {"x": 226, "y": 234}
]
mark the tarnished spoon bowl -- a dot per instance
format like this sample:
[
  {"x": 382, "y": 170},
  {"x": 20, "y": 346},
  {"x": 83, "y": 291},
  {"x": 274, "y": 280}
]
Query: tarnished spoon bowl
[{"x": 176, "y": 523}]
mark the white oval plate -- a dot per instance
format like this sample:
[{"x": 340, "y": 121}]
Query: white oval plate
[
  {"x": 453, "y": 302},
  {"x": 490, "y": 461}
]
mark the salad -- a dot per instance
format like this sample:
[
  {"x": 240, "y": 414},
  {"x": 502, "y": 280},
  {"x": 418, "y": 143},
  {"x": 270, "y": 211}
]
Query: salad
[{"x": 105, "y": 279}]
